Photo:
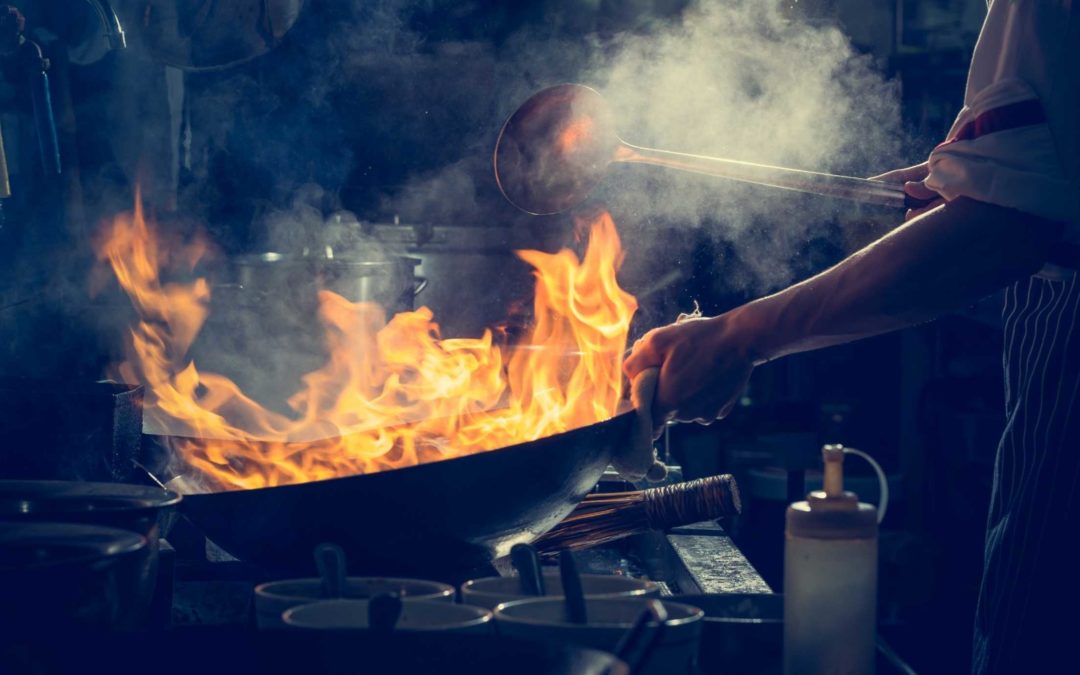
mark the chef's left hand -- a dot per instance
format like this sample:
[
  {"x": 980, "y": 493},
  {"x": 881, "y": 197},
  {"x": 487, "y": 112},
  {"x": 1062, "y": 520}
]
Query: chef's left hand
[
  {"x": 913, "y": 178},
  {"x": 704, "y": 367}
]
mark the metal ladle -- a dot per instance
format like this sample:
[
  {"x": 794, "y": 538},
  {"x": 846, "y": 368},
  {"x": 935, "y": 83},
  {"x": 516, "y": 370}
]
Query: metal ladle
[{"x": 558, "y": 145}]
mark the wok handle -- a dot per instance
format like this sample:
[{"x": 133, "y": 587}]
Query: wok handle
[
  {"x": 692, "y": 502},
  {"x": 608, "y": 516},
  {"x": 843, "y": 187},
  {"x": 637, "y": 459}
]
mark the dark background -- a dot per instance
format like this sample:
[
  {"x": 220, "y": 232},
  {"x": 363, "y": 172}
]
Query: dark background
[{"x": 927, "y": 402}]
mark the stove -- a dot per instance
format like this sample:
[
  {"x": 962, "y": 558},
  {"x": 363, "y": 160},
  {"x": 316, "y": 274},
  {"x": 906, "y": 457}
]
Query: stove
[{"x": 207, "y": 586}]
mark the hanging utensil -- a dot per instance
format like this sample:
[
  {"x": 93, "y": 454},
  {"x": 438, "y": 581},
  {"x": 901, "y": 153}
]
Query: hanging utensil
[
  {"x": 212, "y": 35},
  {"x": 557, "y": 147},
  {"x": 37, "y": 67}
]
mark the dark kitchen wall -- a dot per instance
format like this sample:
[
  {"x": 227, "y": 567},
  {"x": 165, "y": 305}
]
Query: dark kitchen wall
[
  {"x": 390, "y": 108},
  {"x": 366, "y": 100}
]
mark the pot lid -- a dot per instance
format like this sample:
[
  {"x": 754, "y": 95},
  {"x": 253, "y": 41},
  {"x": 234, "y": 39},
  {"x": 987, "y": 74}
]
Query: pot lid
[
  {"x": 35, "y": 499},
  {"x": 39, "y": 546}
]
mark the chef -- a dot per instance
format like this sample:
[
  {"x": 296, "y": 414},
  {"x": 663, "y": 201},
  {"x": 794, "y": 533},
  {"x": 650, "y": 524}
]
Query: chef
[{"x": 1006, "y": 214}]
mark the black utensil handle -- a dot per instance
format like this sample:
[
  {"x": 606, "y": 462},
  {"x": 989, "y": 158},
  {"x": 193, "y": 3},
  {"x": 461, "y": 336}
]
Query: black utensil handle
[
  {"x": 575, "y": 594},
  {"x": 637, "y": 644},
  {"x": 384, "y": 610},
  {"x": 48, "y": 144},
  {"x": 526, "y": 560},
  {"x": 330, "y": 562}
]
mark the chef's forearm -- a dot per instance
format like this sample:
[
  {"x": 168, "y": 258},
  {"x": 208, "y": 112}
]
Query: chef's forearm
[{"x": 941, "y": 261}]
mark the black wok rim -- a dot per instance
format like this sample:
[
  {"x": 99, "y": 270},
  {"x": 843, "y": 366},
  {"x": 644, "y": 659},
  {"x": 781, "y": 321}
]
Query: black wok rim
[{"x": 403, "y": 473}]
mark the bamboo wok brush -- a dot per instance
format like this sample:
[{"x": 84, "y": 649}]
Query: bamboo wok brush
[{"x": 604, "y": 517}]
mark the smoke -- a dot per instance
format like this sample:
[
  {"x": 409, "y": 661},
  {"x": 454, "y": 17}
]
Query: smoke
[
  {"x": 742, "y": 79},
  {"x": 411, "y": 95},
  {"x": 392, "y": 107}
]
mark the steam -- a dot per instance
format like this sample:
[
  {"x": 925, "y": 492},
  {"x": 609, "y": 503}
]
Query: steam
[{"x": 742, "y": 79}]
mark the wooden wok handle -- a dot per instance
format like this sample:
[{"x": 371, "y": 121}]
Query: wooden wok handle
[
  {"x": 604, "y": 517},
  {"x": 692, "y": 502}
]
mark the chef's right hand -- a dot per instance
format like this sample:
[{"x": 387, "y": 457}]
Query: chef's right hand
[
  {"x": 914, "y": 180},
  {"x": 703, "y": 367}
]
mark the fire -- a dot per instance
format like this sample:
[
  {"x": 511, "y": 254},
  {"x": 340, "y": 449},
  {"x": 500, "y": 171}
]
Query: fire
[
  {"x": 392, "y": 393},
  {"x": 574, "y": 134}
]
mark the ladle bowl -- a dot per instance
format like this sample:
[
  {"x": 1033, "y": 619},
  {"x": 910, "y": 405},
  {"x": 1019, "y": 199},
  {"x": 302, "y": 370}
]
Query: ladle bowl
[{"x": 557, "y": 147}]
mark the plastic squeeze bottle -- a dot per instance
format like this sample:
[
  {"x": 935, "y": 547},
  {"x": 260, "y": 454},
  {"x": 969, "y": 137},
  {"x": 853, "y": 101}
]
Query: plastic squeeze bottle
[{"x": 830, "y": 577}]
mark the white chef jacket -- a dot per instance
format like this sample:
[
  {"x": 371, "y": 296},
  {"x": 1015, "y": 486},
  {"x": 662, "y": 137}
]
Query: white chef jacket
[{"x": 1016, "y": 142}]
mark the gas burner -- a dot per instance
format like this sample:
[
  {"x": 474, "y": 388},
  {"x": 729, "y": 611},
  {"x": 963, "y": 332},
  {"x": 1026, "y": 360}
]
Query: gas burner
[{"x": 213, "y": 588}]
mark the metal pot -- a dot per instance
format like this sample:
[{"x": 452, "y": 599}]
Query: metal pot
[
  {"x": 263, "y": 331},
  {"x": 391, "y": 282},
  {"x": 146, "y": 511},
  {"x": 743, "y": 632},
  {"x": 59, "y": 576},
  {"x": 473, "y": 262}
]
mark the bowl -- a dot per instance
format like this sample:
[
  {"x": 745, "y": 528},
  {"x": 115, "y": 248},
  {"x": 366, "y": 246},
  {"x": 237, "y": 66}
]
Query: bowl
[
  {"x": 491, "y": 592},
  {"x": 272, "y": 599},
  {"x": 419, "y": 616},
  {"x": 609, "y": 619}
]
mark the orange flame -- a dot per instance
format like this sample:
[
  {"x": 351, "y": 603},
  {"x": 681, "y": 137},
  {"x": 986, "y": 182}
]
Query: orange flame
[
  {"x": 573, "y": 134},
  {"x": 392, "y": 393}
]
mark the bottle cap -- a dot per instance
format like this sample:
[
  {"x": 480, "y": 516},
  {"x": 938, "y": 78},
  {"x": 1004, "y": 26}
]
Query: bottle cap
[{"x": 832, "y": 513}]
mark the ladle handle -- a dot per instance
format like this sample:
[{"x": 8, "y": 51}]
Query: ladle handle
[{"x": 843, "y": 187}]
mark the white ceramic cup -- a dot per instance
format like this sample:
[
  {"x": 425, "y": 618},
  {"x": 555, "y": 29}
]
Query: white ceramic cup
[
  {"x": 609, "y": 619},
  {"x": 416, "y": 616},
  {"x": 490, "y": 592},
  {"x": 275, "y": 597}
]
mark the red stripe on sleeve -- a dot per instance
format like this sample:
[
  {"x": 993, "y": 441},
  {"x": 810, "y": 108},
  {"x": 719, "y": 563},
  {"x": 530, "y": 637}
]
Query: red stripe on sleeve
[{"x": 1012, "y": 116}]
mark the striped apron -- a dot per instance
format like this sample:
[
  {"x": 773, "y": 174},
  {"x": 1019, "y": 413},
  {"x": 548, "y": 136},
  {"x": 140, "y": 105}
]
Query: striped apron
[{"x": 1029, "y": 605}]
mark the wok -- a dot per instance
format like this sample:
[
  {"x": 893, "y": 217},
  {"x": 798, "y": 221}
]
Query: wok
[{"x": 442, "y": 519}]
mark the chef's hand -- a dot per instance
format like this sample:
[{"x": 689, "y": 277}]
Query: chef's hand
[
  {"x": 703, "y": 365},
  {"x": 914, "y": 180}
]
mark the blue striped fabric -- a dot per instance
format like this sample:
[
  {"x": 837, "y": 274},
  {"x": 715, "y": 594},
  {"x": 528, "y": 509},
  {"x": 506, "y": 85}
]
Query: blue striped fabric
[{"x": 1028, "y": 615}]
